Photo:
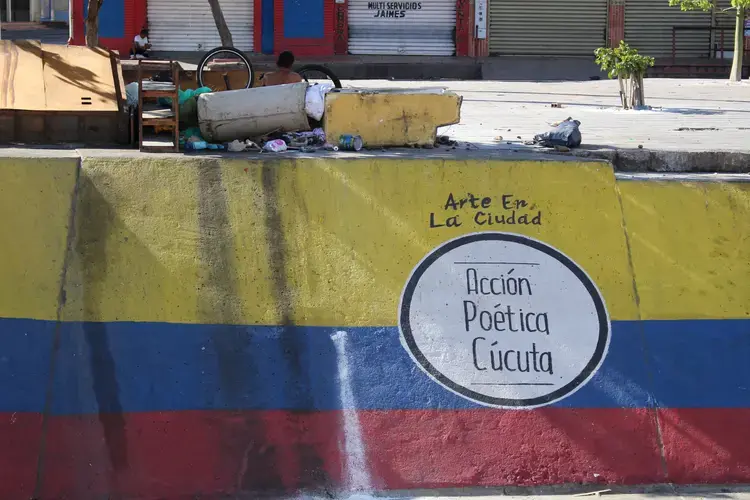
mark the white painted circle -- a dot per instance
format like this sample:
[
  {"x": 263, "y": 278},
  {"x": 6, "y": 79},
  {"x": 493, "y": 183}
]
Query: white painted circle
[{"x": 504, "y": 320}]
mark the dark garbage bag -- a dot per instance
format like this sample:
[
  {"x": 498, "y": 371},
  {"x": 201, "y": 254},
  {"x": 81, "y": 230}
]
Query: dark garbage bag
[{"x": 565, "y": 133}]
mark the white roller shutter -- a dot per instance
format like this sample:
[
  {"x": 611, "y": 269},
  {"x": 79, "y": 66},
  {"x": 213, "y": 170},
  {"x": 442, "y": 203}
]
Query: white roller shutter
[
  {"x": 187, "y": 25},
  {"x": 727, "y": 22},
  {"x": 425, "y": 27},
  {"x": 547, "y": 27},
  {"x": 648, "y": 28}
]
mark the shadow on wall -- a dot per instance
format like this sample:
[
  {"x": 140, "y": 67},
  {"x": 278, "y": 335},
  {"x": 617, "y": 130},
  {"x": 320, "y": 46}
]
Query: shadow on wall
[{"x": 97, "y": 444}]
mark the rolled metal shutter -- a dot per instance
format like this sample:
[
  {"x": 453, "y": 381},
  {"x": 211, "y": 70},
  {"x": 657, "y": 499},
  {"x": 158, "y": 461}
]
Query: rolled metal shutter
[
  {"x": 726, "y": 21},
  {"x": 188, "y": 25},
  {"x": 648, "y": 28},
  {"x": 547, "y": 27},
  {"x": 425, "y": 27}
]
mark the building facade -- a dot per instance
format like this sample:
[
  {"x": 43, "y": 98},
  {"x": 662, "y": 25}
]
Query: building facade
[
  {"x": 461, "y": 28},
  {"x": 307, "y": 27}
]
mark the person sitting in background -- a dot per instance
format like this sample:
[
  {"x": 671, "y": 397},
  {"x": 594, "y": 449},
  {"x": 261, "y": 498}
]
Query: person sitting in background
[
  {"x": 141, "y": 47},
  {"x": 284, "y": 74}
]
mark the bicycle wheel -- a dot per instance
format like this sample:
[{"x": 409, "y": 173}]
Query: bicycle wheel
[
  {"x": 225, "y": 68},
  {"x": 315, "y": 73}
]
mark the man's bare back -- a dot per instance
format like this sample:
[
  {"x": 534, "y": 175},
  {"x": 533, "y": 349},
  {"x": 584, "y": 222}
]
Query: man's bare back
[
  {"x": 281, "y": 77},
  {"x": 284, "y": 74}
]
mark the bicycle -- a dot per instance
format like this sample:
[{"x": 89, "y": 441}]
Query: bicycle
[{"x": 227, "y": 71}]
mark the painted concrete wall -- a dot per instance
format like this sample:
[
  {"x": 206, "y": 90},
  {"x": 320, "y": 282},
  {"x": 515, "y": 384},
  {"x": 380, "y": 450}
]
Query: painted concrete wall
[{"x": 174, "y": 327}]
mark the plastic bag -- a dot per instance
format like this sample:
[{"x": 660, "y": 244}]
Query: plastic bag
[
  {"x": 131, "y": 94},
  {"x": 315, "y": 100},
  {"x": 275, "y": 146},
  {"x": 565, "y": 133}
]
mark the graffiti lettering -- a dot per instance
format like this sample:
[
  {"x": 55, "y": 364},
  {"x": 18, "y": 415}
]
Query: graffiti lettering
[
  {"x": 504, "y": 320},
  {"x": 499, "y": 285},
  {"x": 509, "y": 210},
  {"x": 485, "y": 354}
]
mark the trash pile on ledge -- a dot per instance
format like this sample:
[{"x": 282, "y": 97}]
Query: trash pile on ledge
[{"x": 295, "y": 117}]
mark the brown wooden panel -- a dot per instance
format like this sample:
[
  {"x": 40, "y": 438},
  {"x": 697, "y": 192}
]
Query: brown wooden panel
[
  {"x": 21, "y": 75},
  {"x": 78, "y": 79}
]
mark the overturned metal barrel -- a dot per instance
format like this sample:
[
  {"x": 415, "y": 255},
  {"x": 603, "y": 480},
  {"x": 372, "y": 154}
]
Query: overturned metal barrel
[{"x": 249, "y": 113}]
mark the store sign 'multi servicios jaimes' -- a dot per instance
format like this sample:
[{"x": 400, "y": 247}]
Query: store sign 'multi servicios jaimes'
[{"x": 394, "y": 10}]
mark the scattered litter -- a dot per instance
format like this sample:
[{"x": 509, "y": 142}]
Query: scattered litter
[
  {"x": 444, "y": 140},
  {"x": 237, "y": 146},
  {"x": 316, "y": 137},
  {"x": 640, "y": 146},
  {"x": 275, "y": 146},
  {"x": 131, "y": 95},
  {"x": 556, "y": 105},
  {"x": 348, "y": 142},
  {"x": 565, "y": 133},
  {"x": 499, "y": 138},
  {"x": 695, "y": 129},
  {"x": 194, "y": 144},
  {"x": 562, "y": 149},
  {"x": 518, "y": 137}
]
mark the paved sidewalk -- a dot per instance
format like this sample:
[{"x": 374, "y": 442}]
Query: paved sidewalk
[
  {"x": 52, "y": 34},
  {"x": 687, "y": 115}
]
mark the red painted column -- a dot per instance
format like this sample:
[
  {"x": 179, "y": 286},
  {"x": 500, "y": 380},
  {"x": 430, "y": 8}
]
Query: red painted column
[
  {"x": 76, "y": 15},
  {"x": 616, "y": 22},
  {"x": 341, "y": 28},
  {"x": 258, "y": 26},
  {"x": 482, "y": 45},
  {"x": 464, "y": 28}
]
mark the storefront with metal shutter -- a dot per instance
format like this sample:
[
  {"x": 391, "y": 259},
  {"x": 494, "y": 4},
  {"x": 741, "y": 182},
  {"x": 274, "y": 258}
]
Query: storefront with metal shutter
[
  {"x": 724, "y": 34},
  {"x": 648, "y": 28},
  {"x": 426, "y": 27},
  {"x": 189, "y": 25},
  {"x": 547, "y": 27}
]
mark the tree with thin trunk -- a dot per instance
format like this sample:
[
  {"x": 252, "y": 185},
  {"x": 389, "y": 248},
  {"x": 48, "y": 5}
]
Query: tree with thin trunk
[
  {"x": 92, "y": 23},
  {"x": 629, "y": 67},
  {"x": 221, "y": 24},
  {"x": 739, "y": 10}
]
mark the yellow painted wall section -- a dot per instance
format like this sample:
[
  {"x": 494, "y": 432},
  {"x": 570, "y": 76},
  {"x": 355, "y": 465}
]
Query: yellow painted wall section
[
  {"x": 35, "y": 203},
  {"x": 316, "y": 241},
  {"x": 393, "y": 119},
  {"x": 690, "y": 247}
]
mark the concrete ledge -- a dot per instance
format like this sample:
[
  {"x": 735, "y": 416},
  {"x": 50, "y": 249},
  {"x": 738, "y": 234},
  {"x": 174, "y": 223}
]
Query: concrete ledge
[{"x": 393, "y": 117}]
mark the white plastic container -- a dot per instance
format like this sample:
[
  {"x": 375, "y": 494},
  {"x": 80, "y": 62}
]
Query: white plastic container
[{"x": 250, "y": 113}]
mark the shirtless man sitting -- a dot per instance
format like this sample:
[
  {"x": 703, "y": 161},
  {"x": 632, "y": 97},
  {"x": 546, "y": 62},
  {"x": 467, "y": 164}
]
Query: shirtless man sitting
[{"x": 284, "y": 74}]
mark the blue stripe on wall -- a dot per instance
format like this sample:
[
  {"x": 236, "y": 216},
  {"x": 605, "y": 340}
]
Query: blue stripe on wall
[
  {"x": 267, "y": 26},
  {"x": 131, "y": 367}
]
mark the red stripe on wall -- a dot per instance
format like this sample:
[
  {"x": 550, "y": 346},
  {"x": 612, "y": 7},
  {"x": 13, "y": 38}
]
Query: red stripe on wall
[
  {"x": 439, "y": 449},
  {"x": 20, "y": 435},
  {"x": 182, "y": 454},
  {"x": 705, "y": 445},
  {"x": 176, "y": 454},
  {"x": 188, "y": 453}
]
